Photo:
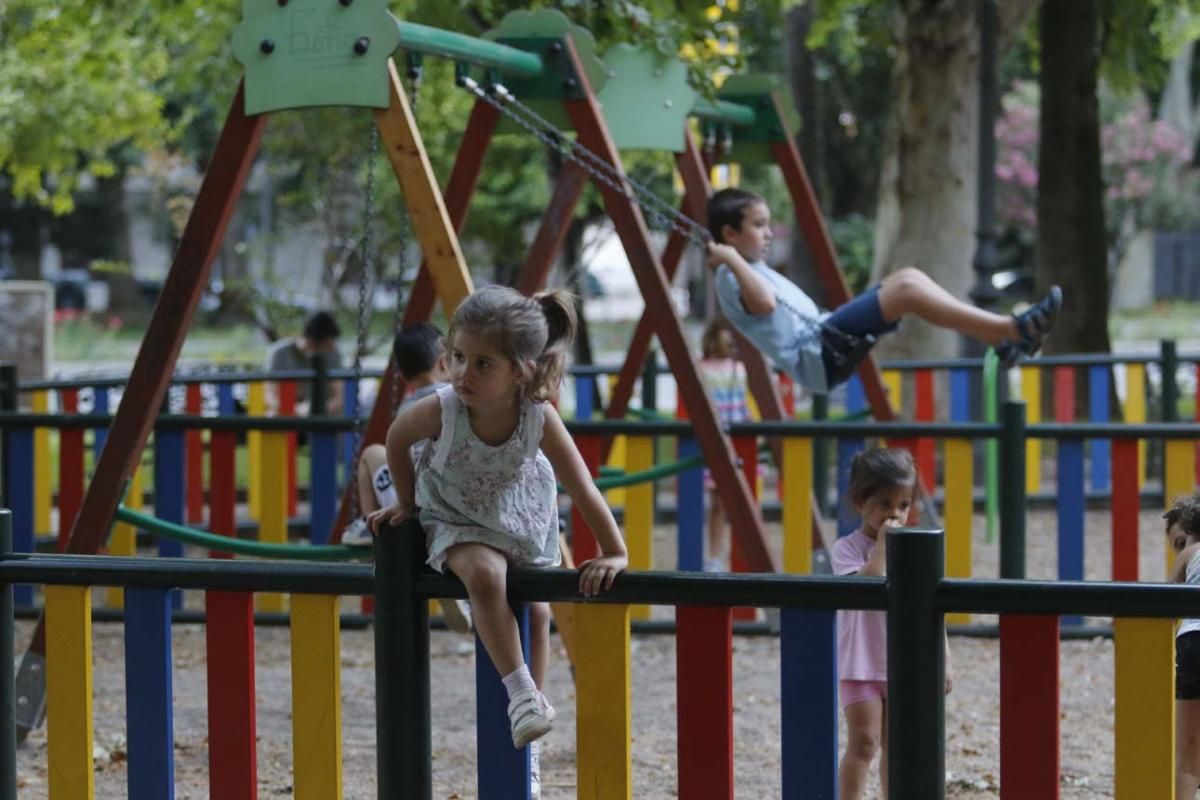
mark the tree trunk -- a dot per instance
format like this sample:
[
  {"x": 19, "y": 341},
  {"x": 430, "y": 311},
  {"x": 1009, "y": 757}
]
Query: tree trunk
[
  {"x": 926, "y": 216},
  {"x": 1070, "y": 207}
]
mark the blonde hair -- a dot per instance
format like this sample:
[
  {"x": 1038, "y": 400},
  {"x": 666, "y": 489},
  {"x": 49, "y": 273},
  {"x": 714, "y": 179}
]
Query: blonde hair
[{"x": 531, "y": 332}]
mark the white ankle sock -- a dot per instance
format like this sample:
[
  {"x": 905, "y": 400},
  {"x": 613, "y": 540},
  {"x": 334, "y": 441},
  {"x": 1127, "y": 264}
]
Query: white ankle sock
[{"x": 518, "y": 680}]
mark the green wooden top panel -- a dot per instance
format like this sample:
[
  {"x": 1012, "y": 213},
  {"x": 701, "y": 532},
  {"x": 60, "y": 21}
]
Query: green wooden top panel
[
  {"x": 752, "y": 144},
  {"x": 303, "y": 53},
  {"x": 543, "y": 32},
  {"x": 647, "y": 99}
]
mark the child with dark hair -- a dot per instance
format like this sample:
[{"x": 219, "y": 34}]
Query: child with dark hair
[
  {"x": 881, "y": 490},
  {"x": 1183, "y": 534},
  {"x": 725, "y": 378},
  {"x": 816, "y": 349},
  {"x": 319, "y": 338}
]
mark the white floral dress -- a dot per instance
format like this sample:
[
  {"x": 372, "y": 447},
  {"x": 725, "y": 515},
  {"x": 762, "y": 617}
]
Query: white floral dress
[{"x": 503, "y": 496}]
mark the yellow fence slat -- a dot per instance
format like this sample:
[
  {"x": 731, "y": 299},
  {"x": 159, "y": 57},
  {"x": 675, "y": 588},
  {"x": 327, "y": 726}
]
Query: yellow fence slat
[
  {"x": 1031, "y": 393},
  {"x": 256, "y": 406},
  {"x": 1145, "y": 708},
  {"x": 42, "y": 478},
  {"x": 123, "y": 540},
  {"x": 618, "y": 458},
  {"x": 604, "y": 729},
  {"x": 639, "y": 512},
  {"x": 960, "y": 479},
  {"x": 273, "y": 519},
  {"x": 797, "y": 505},
  {"x": 1179, "y": 478},
  {"x": 893, "y": 382},
  {"x": 69, "y": 692},
  {"x": 1135, "y": 409},
  {"x": 316, "y": 697}
]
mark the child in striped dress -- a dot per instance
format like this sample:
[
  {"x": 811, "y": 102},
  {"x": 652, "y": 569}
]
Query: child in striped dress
[{"x": 725, "y": 378}]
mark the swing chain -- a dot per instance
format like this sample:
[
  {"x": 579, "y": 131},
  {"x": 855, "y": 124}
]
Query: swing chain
[
  {"x": 364, "y": 267},
  {"x": 663, "y": 214},
  {"x": 414, "y": 75}
]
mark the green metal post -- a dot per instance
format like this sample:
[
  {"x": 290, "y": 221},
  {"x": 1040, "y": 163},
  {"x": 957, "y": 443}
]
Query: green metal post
[
  {"x": 1012, "y": 490},
  {"x": 319, "y": 404},
  {"x": 8, "y": 692},
  {"x": 1170, "y": 385},
  {"x": 402, "y": 708},
  {"x": 916, "y": 642}
]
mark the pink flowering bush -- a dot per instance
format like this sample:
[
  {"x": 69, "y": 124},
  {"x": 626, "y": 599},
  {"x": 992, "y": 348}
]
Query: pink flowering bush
[{"x": 1149, "y": 180}]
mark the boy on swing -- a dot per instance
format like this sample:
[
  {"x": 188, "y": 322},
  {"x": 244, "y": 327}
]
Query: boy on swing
[{"x": 786, "y": 325}]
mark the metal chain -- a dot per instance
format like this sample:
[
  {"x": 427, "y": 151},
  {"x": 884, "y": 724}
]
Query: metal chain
[
  {"x": 662, "y": 213},
  {"x": 364, "y": 266},
  {"x": 414, "y": 96}
]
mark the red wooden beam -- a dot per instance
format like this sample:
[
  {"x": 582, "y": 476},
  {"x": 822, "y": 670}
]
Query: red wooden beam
[
  {"x": 735, "y": 495},
  {"x": 151, "y": 373},
  {"x": 1029, "y": 707},
  {"x": 553, "y": 231},
  {"x": 704, "y": 698},
  {"x": 70, "y": 469}
]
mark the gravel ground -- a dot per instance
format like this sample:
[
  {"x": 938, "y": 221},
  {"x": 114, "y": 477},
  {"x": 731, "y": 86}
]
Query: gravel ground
[{"x": 972, "y": 721}]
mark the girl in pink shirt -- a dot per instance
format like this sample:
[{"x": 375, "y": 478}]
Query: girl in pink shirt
[{"x": 881, "y": 490}]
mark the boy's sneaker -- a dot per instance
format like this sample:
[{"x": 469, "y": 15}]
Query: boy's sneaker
[
  {"x": 1032, "y": 326},
  {"x": 715, "y": 564},
  {"x": 357, "y": 534},
  {"x": 530, "y": 716},
  {"x": 456, "y": 614},
  {"x": 535, "y": 770}
]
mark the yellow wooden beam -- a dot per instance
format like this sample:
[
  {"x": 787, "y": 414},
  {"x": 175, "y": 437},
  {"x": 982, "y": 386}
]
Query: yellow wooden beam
[
  {"x": 1135, "y": 409},
  {"x": 406, "y": 152},
  {"x": 1031, "y": 393},
  {"x": 42, "y": 475},
  {"x": 639, "y": 512},
  {"x": 316, "y": 697},
  {"x": 604, "y": 728},
  {"x": 69, "y": 692},
  {"x": 797, "y": 505},
  {"x": 1145, "y": 708},
  {"x": 960, "y": 481}
]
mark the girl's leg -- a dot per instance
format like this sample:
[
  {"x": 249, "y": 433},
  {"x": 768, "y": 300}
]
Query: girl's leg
[
  {"x": 864, "y": 724},
  {"x": 484, "y": 572},
  {"x": 539, "y": 641},
  {"x": 1187, "y": 748},
  {"x": 373, "y": 457},
  {"x": 910, "y": 291},
  {"x": 883, "y": 754}
]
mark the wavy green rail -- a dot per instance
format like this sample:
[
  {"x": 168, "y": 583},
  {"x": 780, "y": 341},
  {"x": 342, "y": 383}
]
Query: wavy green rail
[{"x": 242, "y": 547}]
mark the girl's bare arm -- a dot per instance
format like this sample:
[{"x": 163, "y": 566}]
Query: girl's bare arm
[
  {"x": 1179, "y": 567},
  {"x": 421, "y": 420},
  {"x": 573, "y": 473}
]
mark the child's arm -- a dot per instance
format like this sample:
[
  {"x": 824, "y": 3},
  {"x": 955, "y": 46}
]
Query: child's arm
[
  {"x": 1179, "y": 567},
  {"x": 757, "y": 297},
  {"x": 421, "y": 420},
  {"x": 559, "y": 448}
]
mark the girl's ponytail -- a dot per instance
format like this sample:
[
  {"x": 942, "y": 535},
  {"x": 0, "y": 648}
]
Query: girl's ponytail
[{"x": 561, "y": 322}]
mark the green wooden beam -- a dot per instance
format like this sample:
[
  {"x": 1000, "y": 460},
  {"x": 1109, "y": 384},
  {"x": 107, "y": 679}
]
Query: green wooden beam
[{"x": 415, "y": 38}]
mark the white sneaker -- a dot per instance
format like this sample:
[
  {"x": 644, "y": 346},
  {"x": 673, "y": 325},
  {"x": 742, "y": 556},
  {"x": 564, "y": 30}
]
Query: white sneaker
[
  {"x": 456, "y": 614},
  {"x": 530, "y": 716},
  {"x": 535, "y": 770},
  {"x": 715, "y": 564},
  {"x": 357, "y": 534}
]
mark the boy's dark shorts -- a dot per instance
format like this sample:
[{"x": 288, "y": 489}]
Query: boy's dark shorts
[
  {"x": 1187, "y": 666},
  {"x": 862, "y": 316}
]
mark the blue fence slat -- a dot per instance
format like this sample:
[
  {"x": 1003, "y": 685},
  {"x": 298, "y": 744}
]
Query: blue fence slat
[
  {"x": 808, "y": 703},
  {"x": 690, "y": 510},
  {"x": 503, "y": 770},
  {"x": 100, "y": 407},
  {"x": 170, "y": 479},
  {"x": 148, "y": 717},
  {"x": 1098, "y": 411},
  {"x": 960, "y": 395},
  {"x": 847, "y": 448},
  {"x": 350, "y": 407},
  {"x": 323, "y": 486},
  {"x": 1070, "y": 514},
  {"x": 18, "y": 497},
  {"x": 225, "y": 405},
  {"x": 585, "y": 392}
]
